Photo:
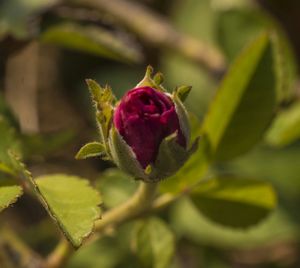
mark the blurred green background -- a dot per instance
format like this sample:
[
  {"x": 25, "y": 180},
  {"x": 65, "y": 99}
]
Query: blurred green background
[{"x": 48, "y": 48}]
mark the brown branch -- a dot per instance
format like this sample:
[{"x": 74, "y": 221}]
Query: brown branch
[{"x": 157, "y": 31}]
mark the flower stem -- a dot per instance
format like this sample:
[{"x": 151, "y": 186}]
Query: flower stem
[
  {"x": 138, "y": 203},
  {"x": 141, "y": 201}
]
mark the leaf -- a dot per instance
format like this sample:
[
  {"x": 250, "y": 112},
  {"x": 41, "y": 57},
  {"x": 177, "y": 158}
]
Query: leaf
[
  {"x": 91, "y": 149},
  {"x": 70, "y": 201},
  {"x": 8, "y": 140},
  {"x": 15, "y": 16},
  {"x": 286, "y": 127},
  {"x": 236, "y": 27},
  {"x": 154, "y": 243},
  {"x": 234, "y": 202},
  {"x": 244, "y": 105},
  {"x": 195, "y": 227},
  {"x": 116, "y": 187},
  {"x": 111, "y": 251},
  {"x": 9, "y": 193},
  {"x": 4, "y": 168},
  {"x": 91, "y": 39}
]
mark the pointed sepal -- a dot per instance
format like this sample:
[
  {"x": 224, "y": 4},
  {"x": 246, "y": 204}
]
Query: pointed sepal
[
  {"x": 150, "y": 80},
  {"x": 182, "y": 92},
  {"x": 171, "y": 157},
  {"x": 104, "y": 102},
  {"x": 183, "y": 118},
  {"x": 123, "y": 155},
  {"x": 92, "y": 149}
]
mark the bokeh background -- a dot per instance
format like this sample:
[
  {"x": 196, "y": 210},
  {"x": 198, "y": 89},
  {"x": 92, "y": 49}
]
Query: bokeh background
[{"x": 47, "y": 50}]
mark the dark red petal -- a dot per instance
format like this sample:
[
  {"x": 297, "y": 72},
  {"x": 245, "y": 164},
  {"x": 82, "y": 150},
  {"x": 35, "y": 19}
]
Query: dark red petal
[{"x": 144, "y": 117}]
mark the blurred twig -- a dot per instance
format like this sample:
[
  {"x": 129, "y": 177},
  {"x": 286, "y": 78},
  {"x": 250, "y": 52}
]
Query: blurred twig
[
  {"x": 60, "y": 255},
  {"x": 154, "y": 29},
  {"x": 15, "y": 254}
]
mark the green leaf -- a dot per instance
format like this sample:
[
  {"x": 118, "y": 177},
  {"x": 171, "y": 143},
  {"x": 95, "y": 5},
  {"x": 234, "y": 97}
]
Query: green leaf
[
  {"x": 236, "y": 27},
  {"x": 234, "y": 202},
  {"x": 195, "y": 227},
  {"x": 111, "y": 251},
  {"x": 8, "y": 140},
  {"x": 116, "y": 187},
  {"x": 286, "y": 127},
  {"x": 244, "y": 105},
  {"x": 70, "y": 201},
  {"x": 154, "y": 243},
  {"x": 15, "y": 16},
  {"x": 9, "y": 193},
  {"x": 4, "y": 168},
  {"x": 91, "y": 39},
  {"x": 91, "y": 149}
]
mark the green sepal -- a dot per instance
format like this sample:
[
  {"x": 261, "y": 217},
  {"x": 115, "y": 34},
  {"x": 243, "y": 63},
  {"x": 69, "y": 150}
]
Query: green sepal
[
  {"x": 158, "y": 78},
  {"x": 92, "y": 149},
  {"x": 171, "y": 156},
  {"x": 154, "y": 82},
  {"x": 123, "y": 155},
  {"x": 182, "y": 92},
  {"x": 104, "y": 102},
  {"x": 183, "y": 118}
]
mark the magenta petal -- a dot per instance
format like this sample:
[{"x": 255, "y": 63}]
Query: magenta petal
[{"x": 144, "y": 117}]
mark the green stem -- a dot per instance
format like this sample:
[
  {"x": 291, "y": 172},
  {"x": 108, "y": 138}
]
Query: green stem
[
  {"x": 141, "y": 201},
  {"x": 138, "y": 203},
  {"x": 60, "y": 255}
]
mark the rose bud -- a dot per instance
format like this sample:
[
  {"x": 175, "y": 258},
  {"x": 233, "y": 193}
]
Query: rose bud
[
  {"x": 150, "y": 134},
  {"x": 147, "y": 133},
  {"x": 144, "y": 118}
]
